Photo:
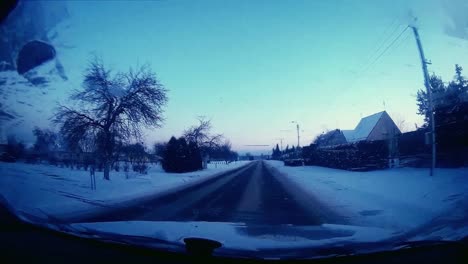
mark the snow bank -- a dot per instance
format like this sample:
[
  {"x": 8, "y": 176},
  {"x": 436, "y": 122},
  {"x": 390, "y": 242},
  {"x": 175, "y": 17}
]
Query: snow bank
[
  {"x": 397, "y": 199},
  {"x": 60, "y": 192}
]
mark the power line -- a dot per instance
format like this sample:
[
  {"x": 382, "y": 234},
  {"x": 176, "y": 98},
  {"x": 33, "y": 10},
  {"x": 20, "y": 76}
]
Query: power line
[
  {"x": 382, "y": 40},
  {"x": 404, "y": 40},
  {"x": 398, "y": 42},
  {"x": 385, "y": 50}
]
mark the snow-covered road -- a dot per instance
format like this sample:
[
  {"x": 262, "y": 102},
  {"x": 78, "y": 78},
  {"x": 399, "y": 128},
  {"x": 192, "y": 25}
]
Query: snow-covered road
[
  {"x": 251, "y": 195},
  {"x": 401, "y": 201}
]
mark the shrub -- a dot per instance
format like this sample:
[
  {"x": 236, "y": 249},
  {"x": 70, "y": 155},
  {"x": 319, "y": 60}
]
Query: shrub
[{"x": 181, "y": 157}]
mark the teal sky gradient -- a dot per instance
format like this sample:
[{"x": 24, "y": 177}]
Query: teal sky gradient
[{"x": 254, "y": 66}]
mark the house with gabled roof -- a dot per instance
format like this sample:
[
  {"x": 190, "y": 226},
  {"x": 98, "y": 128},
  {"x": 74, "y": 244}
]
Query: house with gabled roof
[
  {"x": 378, "y": 126},
  {"x": 330, "y": 138}
]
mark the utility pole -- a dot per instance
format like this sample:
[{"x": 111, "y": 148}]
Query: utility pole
[
  {"x": 297, "y": 126},
  {"x": 281, "y": 143},
  {"x": 298, "y": 145},
  {"x": 427, "y": 83}
]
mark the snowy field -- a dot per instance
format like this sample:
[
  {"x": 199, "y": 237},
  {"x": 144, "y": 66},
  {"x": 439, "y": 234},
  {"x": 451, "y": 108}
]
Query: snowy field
[
  {"x": 62, "y": 192},
  {"x": 396, "y": 199}
]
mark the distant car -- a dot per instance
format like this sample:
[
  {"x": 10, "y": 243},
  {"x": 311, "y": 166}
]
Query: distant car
[
  {"x": 5, "y": 157},
  {"x": 294, "y": 162}
]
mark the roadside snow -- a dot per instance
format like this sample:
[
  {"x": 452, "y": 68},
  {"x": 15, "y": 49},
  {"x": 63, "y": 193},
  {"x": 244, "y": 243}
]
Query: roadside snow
[
  {"x": 59, "y": 192},
  {"x": 398, "y": 199}
]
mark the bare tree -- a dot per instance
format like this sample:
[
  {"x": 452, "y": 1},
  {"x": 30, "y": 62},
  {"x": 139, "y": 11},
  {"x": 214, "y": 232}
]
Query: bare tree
[
  {"x": 112, "y": 109},
  {"x": 201, "y": 135},
  {"x": 46, "y": 142},
  {"x": 400, "y": 122}
]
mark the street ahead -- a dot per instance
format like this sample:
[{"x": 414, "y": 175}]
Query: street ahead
[{"x": 253, "y": 195}]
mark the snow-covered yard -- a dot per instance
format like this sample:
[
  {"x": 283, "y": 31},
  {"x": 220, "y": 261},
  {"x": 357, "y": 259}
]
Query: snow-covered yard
[
  {"x": 396, "y": 199},
  {"x": 60, "y": 192}
]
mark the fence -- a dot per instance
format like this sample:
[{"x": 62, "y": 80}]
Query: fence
[{"x": 452, "y": 143}]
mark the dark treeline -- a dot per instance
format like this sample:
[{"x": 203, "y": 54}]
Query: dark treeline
[
  {"x": 277, "y": 154},
  {"x": 197, "y": 147},
  {"x": 49, "y": 147}
]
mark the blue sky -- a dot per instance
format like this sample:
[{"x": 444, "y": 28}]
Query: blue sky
[{"x": 254, "y": 66}]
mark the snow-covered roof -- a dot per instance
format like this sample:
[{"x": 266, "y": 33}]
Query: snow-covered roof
[{"x": 363, "y": 129}]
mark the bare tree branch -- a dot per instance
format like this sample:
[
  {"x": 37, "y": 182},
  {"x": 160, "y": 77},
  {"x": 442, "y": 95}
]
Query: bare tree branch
[
  {"x": 112, "y": 108},
  {"x": 201, "y": 135}
]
